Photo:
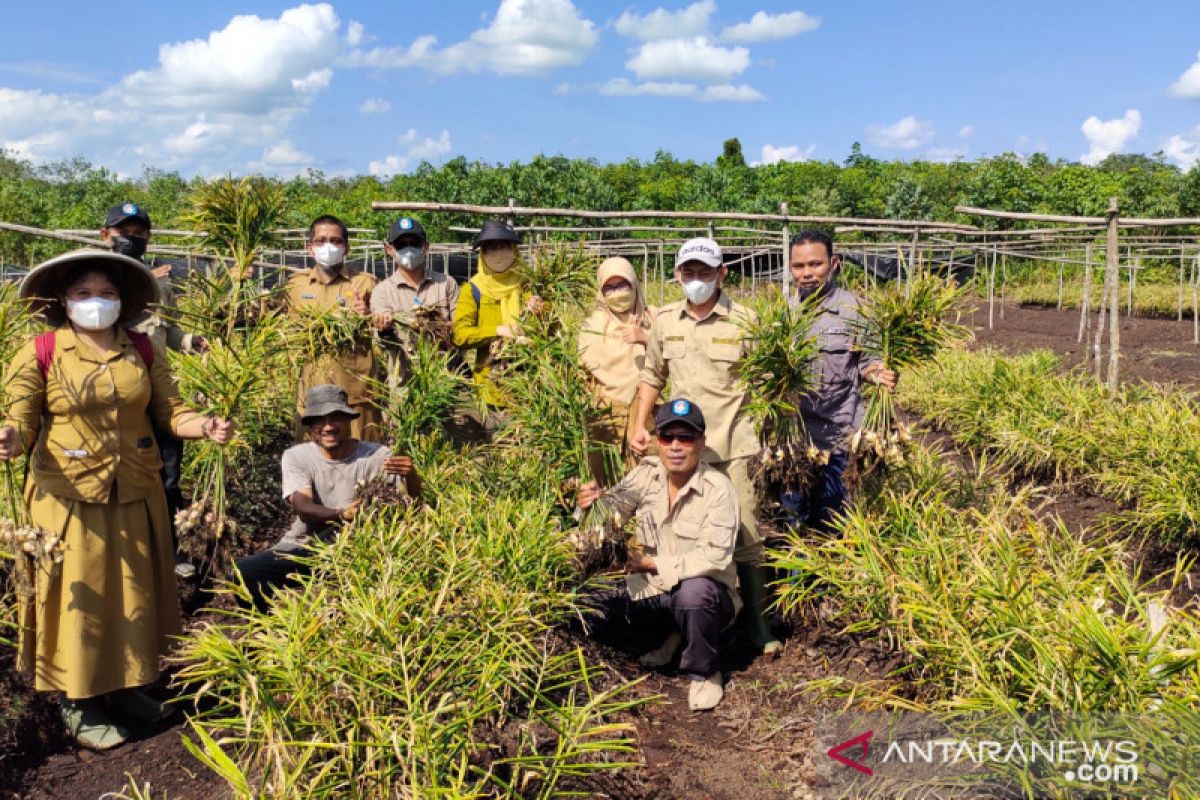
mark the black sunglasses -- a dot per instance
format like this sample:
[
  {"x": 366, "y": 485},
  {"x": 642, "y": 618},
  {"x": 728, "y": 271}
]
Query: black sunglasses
[{"x": 686, "y": 438}]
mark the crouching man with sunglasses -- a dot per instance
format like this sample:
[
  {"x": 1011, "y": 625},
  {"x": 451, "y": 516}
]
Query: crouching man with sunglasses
[{"x": 683, "y": 582}]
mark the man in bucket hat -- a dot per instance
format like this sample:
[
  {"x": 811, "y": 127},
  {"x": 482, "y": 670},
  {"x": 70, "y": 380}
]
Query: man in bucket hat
[
  {"x": 320, "y": 479},
  {"x": 681, "y": 578}
]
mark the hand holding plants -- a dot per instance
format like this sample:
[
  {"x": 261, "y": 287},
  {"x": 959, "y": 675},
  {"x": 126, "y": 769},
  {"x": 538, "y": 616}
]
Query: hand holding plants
[
  {"x": 398, "y": 465},
  {"x": 10, "y": 443},
  {"x": 587, "y": 494}
]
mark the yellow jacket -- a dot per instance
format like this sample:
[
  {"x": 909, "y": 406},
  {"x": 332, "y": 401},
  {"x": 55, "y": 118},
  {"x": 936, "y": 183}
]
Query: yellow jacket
[
  {"x": 475, "y": 324},
  {"x": 96, "y": 432}
]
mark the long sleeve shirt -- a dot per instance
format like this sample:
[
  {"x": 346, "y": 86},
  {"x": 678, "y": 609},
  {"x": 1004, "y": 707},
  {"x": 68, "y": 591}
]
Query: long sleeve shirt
[
  {"x": 96, "y": 435},
  {"x": 694, "y": 538},
  {"x": 702, "y": 358}
]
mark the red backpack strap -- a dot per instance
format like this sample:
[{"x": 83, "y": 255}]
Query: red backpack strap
[
  {"x": 143, "y": 345},
  {"x": 43, "y": 348}
]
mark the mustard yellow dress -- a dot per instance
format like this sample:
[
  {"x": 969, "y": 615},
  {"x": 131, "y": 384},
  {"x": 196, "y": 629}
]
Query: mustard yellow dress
[{"x": 105, "y": 617}]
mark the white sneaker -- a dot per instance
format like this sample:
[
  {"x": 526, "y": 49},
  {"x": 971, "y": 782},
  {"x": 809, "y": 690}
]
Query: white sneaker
[
  {"x": 704, "y": 694},
  {"x": 185, "y": 570},
  {"x": 662, "y": 655}
]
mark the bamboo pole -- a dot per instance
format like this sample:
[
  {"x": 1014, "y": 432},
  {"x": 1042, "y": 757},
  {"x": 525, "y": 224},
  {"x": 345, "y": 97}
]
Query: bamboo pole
[
  {"x": 1086, "y": 300},
  {"x": 1060, "y": 288},
  {"x": 785, "y": 250},
  {"x": 1182, "y": 259},
  {"x": 1003, "y": 283},
  {"x": 522, "y": 211},
  {"x": 1098, "y": 347},
  {"x": 1196, "y": 300},
  {"x": 992, "y": 293},
  {"x": 1114, "y": 332}
]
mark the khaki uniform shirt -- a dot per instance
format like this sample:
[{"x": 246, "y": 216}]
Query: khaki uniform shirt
[
  {"x": 164, "y": 334},
  {"x": 314, "y": 288},
  {"x": 836, "y": 411},
  {"x": 96, "y": 435},
  {"x": 701, "y": 359},
  {"x": 397, "y": 296},
  {"x": 694, "y": 539}
]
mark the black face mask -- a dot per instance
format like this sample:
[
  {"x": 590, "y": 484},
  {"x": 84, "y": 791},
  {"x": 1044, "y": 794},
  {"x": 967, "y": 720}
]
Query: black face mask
[{"x": 132, "y": 246}]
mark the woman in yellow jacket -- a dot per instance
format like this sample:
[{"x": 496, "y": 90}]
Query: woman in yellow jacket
[
  {"x": 95, "y": 626},
  {"x": 612, "y": 347},
  {"x": 490, "y": 307}
]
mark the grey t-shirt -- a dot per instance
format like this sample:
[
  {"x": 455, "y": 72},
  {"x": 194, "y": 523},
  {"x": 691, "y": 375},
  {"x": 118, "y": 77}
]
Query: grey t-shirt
[{"x": 331, "y": 484}]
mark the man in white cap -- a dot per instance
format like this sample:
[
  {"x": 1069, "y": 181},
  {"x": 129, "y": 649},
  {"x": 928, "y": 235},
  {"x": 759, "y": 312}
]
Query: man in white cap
[{"x": 697, "y": 344}]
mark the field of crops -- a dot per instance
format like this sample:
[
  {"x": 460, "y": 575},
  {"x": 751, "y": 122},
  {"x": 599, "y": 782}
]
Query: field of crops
[{"x": 436, "y": 649}]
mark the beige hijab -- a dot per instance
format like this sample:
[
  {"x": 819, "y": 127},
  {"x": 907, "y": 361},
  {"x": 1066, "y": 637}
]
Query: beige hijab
[{"x": 614, "y": 363}]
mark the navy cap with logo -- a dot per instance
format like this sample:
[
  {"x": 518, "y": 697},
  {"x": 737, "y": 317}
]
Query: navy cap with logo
[
  {"x": 679, "y": 410},
  {"x": 123, "y": 212},
  {"x": 406, "y": 226}
]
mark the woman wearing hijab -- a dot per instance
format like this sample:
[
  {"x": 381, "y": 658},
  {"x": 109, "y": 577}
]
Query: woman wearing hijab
[
  {"x": 612, "y": 347},
  {"x": 96, "y": 625},
  {"x": 490, "y": 309}
]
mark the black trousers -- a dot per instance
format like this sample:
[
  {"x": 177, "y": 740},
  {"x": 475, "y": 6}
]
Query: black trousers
[
  {"x": 697, "y": 607},
  {"x": 267, "y": 571}
]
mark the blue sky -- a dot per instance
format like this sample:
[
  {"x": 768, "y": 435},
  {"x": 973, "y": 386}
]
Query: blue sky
[{"x": 354, "y": 87}]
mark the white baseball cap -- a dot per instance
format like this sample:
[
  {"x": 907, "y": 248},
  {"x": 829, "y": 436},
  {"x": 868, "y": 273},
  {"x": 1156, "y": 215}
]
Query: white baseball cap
[{"x": 703, "y": 250}]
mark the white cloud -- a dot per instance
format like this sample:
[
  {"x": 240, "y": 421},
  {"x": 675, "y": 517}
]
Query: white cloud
[
  {"x": 907, "y": 134},
  {"x": 621, "y": 87},
  {"x": 527, "y": 37},
  {"x": 791, "y": 152},
  {"x": 1106, "y": 137},
  {"x": 696, "y": 59},
  {"x": 416, "y": 148},
  {"x": 355, "y": 33},
  {"x": 946, "y": 154},
  {"x": 966, "y": 131},
  {"x": 1188, "y": 84},
  {"x": 663, "y": 24},
  {"x": 375, "y": 105},
  {"x": 390, "y": 165},
  {"x": 425, "y": 148},
  {"x": 764, "y": 27},
  {"x": 249, "y": 65},
  {"x": 209, "y": 104},
  {"x": 285, "y": 154},
  {"x": 1184, "y": 149},
  {"x": 727, "y": 92}
]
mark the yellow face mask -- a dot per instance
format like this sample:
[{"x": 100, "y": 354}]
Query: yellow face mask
[
  {"x": 621, "y": 301},
  {"x": 499, "y": 259}
]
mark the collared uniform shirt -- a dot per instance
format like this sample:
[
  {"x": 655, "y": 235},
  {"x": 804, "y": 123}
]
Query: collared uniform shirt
[
  {"x": 701, "y": 358},
  {"x": 836, "y": 411},
  {"x": 693, "y": 539},
  {"x": 315, "y": 289},
  {"x": 396, "y": 295},
  {"x": 95, "y": 438}
]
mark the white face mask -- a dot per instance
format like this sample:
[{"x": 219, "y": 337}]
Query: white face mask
[
  {"x": 698, "y": 291},
  {"x": 95, "y": 313},
  {"x": 410, "y": 258},
  {"x": 329, "y": 255}
]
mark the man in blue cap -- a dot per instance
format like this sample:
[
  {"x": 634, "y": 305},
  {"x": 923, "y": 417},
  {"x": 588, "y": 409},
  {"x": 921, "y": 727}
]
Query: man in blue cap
[
  {"x": 682, "y": 581},
  {"x": 414, "y": 296}
]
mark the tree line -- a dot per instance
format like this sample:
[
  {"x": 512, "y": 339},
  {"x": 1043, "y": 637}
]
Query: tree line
[{"x": 75, "y": 193}]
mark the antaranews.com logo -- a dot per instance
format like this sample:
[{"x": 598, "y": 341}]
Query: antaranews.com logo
[{"x": 910, "y": 751}]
